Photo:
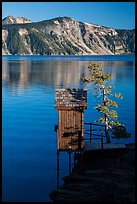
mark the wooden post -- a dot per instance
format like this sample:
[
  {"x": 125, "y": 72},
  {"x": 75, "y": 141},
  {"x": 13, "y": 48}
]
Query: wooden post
[
  {"x": 69, "y": 153},
  {"x": 58, "y": 154},
  {"x": 90, "y": 131},
  {"x": 74, "y": 159},
  {"x": 101, "y": 141},
  {"x": 81, "y": 161}
]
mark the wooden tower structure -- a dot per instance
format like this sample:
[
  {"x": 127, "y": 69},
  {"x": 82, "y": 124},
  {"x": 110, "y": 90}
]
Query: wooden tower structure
[{"x": 70, "y": 104}]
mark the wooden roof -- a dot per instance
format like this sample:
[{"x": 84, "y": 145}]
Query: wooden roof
[{"x": 70, "y": 98}]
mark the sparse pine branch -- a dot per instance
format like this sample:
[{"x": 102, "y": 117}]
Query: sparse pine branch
[
  {"x": 118, "y": 95},
  {"x": 111, "y": 103},
  {"x": 119, "y": 131}
]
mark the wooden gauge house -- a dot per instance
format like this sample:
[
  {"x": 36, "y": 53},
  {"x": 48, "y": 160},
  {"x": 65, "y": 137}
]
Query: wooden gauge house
[{"x": 70, "y": 104}]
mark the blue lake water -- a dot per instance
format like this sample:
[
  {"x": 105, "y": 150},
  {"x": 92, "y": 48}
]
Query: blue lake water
[{"x": 28, "y": 116}]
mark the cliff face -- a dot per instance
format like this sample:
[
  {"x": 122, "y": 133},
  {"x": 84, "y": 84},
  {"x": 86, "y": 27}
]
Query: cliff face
[{"x": 65, "y": 36}]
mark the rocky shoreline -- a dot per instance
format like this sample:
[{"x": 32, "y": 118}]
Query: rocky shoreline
[{"x": 107, "y": 176}]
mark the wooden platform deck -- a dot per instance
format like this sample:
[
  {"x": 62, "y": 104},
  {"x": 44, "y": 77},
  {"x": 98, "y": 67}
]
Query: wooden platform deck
[{"x": 88, "y": 146}]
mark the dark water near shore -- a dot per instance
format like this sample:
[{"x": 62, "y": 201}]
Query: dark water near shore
[{"x": 28, "y": 116}]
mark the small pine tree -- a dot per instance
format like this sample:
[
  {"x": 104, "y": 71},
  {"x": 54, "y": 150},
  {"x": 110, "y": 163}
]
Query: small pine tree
[{"x": 107, "y": 115}]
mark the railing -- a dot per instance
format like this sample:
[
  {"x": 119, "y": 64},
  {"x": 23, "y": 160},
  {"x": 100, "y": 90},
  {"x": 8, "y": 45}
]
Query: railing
[{"x": 94, "y": 132}]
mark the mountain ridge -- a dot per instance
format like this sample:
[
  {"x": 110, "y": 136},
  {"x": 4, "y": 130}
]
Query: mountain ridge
[
  {"x": 65, "y": 36},
  {"x": 15, "y": 20}
]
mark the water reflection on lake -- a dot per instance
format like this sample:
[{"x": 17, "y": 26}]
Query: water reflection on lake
[
  {"x": 28, "y": 117},
  {"x": 23, "y": 74}
]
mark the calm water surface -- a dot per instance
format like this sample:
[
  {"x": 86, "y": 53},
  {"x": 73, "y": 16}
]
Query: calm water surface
[{"x": 28, "y": 116}]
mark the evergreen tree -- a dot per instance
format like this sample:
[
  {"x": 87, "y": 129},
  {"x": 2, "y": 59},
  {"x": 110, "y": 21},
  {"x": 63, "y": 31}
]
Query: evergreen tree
[{"x": 107, "y": 114}]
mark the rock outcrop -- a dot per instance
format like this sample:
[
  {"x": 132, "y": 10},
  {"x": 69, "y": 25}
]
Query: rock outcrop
[
  {"x": 13, "y": 20},
  {"x": 104, "y": 177}
]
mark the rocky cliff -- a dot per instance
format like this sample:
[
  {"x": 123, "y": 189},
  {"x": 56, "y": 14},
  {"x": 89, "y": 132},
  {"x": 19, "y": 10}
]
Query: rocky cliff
[
  {"x": 64, "y": 36},
  {"x": 13, "y": 20}
]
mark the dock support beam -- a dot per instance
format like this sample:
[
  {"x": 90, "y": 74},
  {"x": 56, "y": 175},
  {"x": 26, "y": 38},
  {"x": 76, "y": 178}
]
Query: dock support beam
[
  {"x": 69, "y": 153},
  {"x": 58, "y": 154}
]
